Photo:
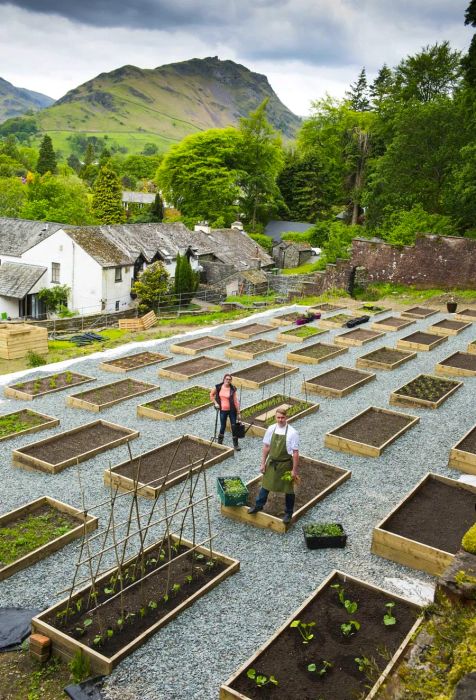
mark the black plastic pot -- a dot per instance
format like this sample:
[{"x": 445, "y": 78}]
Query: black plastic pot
[
  {"x": 325, "y": 541},
  {"x": 451, "y": 306}
]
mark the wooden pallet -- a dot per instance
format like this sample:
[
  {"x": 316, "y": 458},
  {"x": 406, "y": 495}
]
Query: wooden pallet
[{"x": 141, "y": 323}]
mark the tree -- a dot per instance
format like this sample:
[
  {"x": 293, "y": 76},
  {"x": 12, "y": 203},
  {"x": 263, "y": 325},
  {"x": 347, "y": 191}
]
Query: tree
[
  {"x": 156, "y": 212},
  {"x": 107, "y": 198},
  {"x": 46, "y": 158},
  {"x": 151, "y": 286},
  {"x": 358, "y": 94},
  {"x": 185, "y": 281},
  {"x": 402, "y": 227},
  {"x": 469, "y": 61},
  {"x": 434, "y": 72},
  {"x": 74, "y": 162},
  {"x": 382, "y": 87},
  {"x": 55, "y": 198},
  {"x": 55, "y": 297},
  {"x": 12, "y": 196}
]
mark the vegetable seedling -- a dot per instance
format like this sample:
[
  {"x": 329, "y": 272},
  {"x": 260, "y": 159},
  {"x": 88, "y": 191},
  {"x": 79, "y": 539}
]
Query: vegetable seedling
[
  {"x": 303, "y": 629},
  {"x": 389, "y": 618},
  {"x": 260, "y": 679},
  {"x": 320, "y": 670}
]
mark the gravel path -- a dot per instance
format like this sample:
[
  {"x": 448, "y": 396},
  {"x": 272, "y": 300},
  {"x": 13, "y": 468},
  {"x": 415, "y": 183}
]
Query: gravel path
[{"x": 199, "y": 650}]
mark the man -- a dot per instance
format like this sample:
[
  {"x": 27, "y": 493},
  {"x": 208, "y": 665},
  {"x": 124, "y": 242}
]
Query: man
[{"x": 280, "y": 455}]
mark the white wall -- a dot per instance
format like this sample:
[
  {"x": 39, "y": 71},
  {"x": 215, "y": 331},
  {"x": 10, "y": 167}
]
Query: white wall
[
  {"x": 9, "y": 306},
  {"x": 113, "y": 291}
]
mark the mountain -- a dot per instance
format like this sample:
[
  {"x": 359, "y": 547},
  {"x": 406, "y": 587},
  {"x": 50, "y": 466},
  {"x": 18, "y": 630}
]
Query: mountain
[
  {"x": 134, "y": 106},
  {"x": 16, "y": 101}
]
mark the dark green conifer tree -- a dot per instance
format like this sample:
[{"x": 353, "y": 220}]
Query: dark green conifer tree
[
  {"x": 47, "y": 158},
  {"x": 107, "y": 198}
]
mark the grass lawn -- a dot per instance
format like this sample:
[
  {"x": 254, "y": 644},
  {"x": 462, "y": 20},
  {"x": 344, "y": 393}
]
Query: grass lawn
[{"x": 21, "y": 678}]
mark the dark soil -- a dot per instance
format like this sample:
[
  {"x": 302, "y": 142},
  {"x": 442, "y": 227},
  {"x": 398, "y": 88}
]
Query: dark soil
[
  {"x": 372, "y": 427},
  {"x": 261, "y": 372},
  {"x": 463, "y": 360},
  {"x": 393, "y": 321},
  {"x": 254, "y": 328},
  {"x": 437, "y": 515},
  {"x": 422, "y": 338},
  {"x": 339, "y": 319},
  {"x": 64, "y": 447},
  {"x": 198, "y": 364},
  {"x": 140, "y": 359},
  {"x": 325, "y": 307},
  {"x": 257, "y": 345},
  {"x": 248, "y": 415},
  {"x": 426, "y": 387},
  {"x": 110, "y": 392},
  {"x": 287, "y": 657},
  {"x": 62, "y": 380},
  {"x": 203, "y": 343},
  {"x": 386, "y": 355},
  {"x": 360, "y": 334},
  {"x": 318, "y": 350},
  {"x": 469, "y": 442},
  {"x": 421, "y": 311},
  {"x": 468, "y": 312},
  {"x": 314, "y": 479},
  {"x": 338, "y": 378},
  {"x": 289, "y": 317},
  {"x": 451, "y": 325}
]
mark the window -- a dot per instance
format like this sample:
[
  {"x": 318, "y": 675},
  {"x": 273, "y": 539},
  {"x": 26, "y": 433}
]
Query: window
[
  {"x": 117, "y": 306},
  {"x": 55, "y": 272},
  {"x": 118, "y": 274}
]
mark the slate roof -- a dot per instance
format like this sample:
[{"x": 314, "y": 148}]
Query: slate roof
[
  {"x": 19, "y": 235},
  {"x": 16, "y": 279},
  {"x": 275, "y": 229}
]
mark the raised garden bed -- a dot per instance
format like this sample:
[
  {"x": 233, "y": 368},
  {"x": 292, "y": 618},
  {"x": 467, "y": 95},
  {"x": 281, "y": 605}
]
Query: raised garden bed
[
  {"x": 324, "y": 535},
  {"x": 263, "y": 373},
  {"x": 299, "y": 335},
  {"x": 103, "y": 397},
  {"x": 466, "y": 315},
  {"x": 54, "y": 454},
  {"x": 193, "y": 368},
  {"x": 339, "y": 382},
  {"x": 131, "y": 362},
  {"x": 314, "y": 354},
  {"x": 35, "y": 530},
  {"x": 421, "y": 341},
  {"x": 253, "y": 348},
  {"x": 177, "y": 405},
  {"x": 392, "y": 323},
  {"x": 370, "y": 309},
  {"x": 425, "y": 391},
  {"x": 70, "y": 635},
  {"x": 198, "y": 345},
  {"x": 472, "y": 347},
  {"x": 40, "y": 386},
  {"x": 249, "y": 331},
  {"x": 449, "y": 327},
  {"x": 335, "y": 660},
  {"x": 460, "y": 364},
  {"x": 425, "y": 529},
  {"x": 262, "y": 414},
  {"x": 327, "y": 308},
  {"x": 357, "y": 337},
  {"x": 318, "y": 479},
  {"x": 419, "y": 312},
  {"x": 463, "y": 454},
  {"x": 337, "y": 321},
  {"x": 385, "y": 358},
  {"x": 288, "y": 319},
  {"x": 369, "y": 432},
  {"x": 24, "y": 422},
  {"x": 159, "y": 469}
]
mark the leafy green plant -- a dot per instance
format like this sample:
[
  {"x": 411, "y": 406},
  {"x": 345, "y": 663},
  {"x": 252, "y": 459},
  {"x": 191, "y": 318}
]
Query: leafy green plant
[
  {"x": 350, "y": 606},
  {"x": 34, "y": 359},
  {"x": 287, "y": 476},
  {"x": 79, "y": 667},
  {"x": 234, "y": 487},
  {"x": 68, "y": 377},
  {"x": 52, "y": 382},
  {"x": 363, "y": 663},
  {"x": 304, "y": 630},
  {"x": 320, "y": 669},
  {"x": 389, "y": 618},
  {"x": 349, "y": 628},
  {"x": 323, "y": 530},
  {"x": 260, "y": 679}
]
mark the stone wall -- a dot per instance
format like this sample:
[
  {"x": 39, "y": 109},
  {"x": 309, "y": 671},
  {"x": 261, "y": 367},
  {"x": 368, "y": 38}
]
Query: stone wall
[{"x": 215, "y": 272}]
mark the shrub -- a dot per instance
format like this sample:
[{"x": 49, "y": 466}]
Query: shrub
[
  {"x": 33, "y": 359},
  {"x": 264, "y": 241},
  {"x": 469, "y": 540}
]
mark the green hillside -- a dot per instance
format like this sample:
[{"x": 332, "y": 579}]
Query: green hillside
[{"x": 16, "y": 101}]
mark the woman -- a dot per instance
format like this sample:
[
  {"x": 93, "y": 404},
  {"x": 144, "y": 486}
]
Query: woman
[{"x": 225, "y": 400}]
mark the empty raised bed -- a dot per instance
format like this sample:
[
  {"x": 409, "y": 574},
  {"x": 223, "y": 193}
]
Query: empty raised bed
[
  {"x": 338, "y": 382},
  {"x": 359, "y": 336},
  {"x": 40, "y": 386},
  {"x": 253, "y": 348},
  {"x": 37, "y": 529},
  {"x": 54, "y": 454},
  {"x": 425, "y": 391},
  {"x": 262, "y": 414},
  {"x": 312, "y": 656},
  {"x": 198, "y": 345},
  {"x": 300, "y": 334},
  {"x": 369, "y": 432},
  {"x": 337, "y": 321},
  {"x": 249, "y": 331},
  {"x": 108, "y": 395},
  {"x": 460, "y": 364},
  {"x": 177, "y": 405},
  {"x": 326, "y": 308},
  {"x": 419, "y": 312},
  {"x": 463, "y": 454},
  {"x": 318, "y": 479},
  {"x": 449, "y": 327},
  {"x": 263, "y": 373},
  {"x": 392, "y": 323},
  {"x": 131, "y": 362},
  {"x": 385, "y": 358},
  {"x": 314, "y": 354},
  {"x": 421, "y": 341},
  {"x": 425, "y": 529},
  {"x": 24, "y": 422},
  {"x": 193, "y": 368},
  {"x": 284, "y": 319},
  {"x": 166, "y": 465},
  {"x": 466, "y": 315}
]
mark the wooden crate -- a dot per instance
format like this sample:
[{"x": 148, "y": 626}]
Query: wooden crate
[
  {"x": 392, "y": 323},
  {"x": 462, "y": 459},
  {"x": 141, "y": 323},
  {"x": 145, "y": 411},
  {"x": 410, "y": 342},
  {"x": 300, "y": 356},
  {"x": 114, "y": 365},
  {"x": 357, "y": 337},
  {"x": 448, "y": 327},
  {"x": 367, "y": 361},
  {"x": 49, "y": 422},
  {"x": 316, "y": 388},
  {"x": 79, "y": 400},
  {"x": 86, "y": 523},
  {"x": 410, "y": 552},
  {"x": 174, "y": 371},
  {"x": 259, "y": 431},
  {"x": 250, "y": 330},
  {"x": 186, "y": 347},
  {"x": 419, "y": 312},
  {"x": 286, "y": 370},
  {"x": 399, "y": 399},
  {"x": 17, "y": 339},
  {"x": 239, "y": 351},
  {"x": 454, "y": 370}
]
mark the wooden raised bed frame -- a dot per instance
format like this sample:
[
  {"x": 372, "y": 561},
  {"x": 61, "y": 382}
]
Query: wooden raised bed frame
[
  {"x": 397, "y": 399},
  {"x": 349, "y": 339},
  {"x": 17, "y": 339},
  {"x": 461, "y": 459},
  {"x": 322, "y": 390},
  {"x": 145, "y": 411},
  {"x": 251, "y": 384},
  {"x": 407, "y": 344},
  {"x": 20, "y": 459},
  {"x": 258, "y": 431},
  {"x": 66, "y": 647},
  {"x": 49, "y": 422},
  {"x": 367, "y": 362},
  {"x": 172, "y": 373},
  {"x": 271, "y": 522},
  {"x": 13, "y": 393},
  {"x": 236, "y": 353},
  {"x": 75, "y": 400},
  {"x": 411, "y": 552},
  {"x": 284, "y": 319},
  {"x": 466, "y": 315},
  {"x": 441, "y": 330},
  {"x": 185, "y": 347},
  {"x": 453, "y": 371},
  {"x": 328, "y": 323},
  {"x": 292, "y": 337},
  {"x": 125, "y": 483},
  {"x": 299, "y": 356},
  {"x": 228, "y": 693},
  {"x": 241, "y": 332},
  {"x": 384, "y": 325},
  {"x": 472, "y": 348},
  {"x": 363, "y": 449},
  {"x": 86, "y": 524},
  {"x": 419, "y": 312},
  {"x": 110, "y": 366}
]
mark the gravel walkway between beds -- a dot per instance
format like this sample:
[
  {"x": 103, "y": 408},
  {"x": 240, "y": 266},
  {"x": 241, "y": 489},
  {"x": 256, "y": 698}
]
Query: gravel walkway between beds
[{"x": 194, "y": 654}]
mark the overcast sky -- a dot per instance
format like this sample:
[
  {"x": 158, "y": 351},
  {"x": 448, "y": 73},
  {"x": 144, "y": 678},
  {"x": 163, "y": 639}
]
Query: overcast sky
[{"x": 305, "y": 47}]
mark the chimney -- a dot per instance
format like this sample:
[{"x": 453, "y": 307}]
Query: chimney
[
  {"x": 237, "y": 225},
  {"x": 203, "y": 227}
]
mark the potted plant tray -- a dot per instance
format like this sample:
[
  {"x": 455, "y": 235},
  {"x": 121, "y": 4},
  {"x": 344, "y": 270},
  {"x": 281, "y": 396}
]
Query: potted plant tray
[
  {"x": 128, "y": 363},
  {"x": 40, "y": 386},
  {"x": 338, "y": 382},
  {"x": 299, "y": 335},
  {"x": 334, "y": 659},
  {"x": 449, "y": 327},
  {"x": 419, "y": 312},
  {"x": 425, "y": 390},
  {"x": 425, "y": 529},
  {"x": 24, "y": 422},
  {"x": 472, "y": 347},
  {"x": 198, "y": 345},
  {"x": 385, "y": 358},
  {"x": 67, "y": 642},
  {"x": 177, "y": 405},
  {"x": 259, "y": 416},
  {"x": 337, "y": 321},
  {"x": 261, "y": 374},
  {"x": 460, "y": 364},
  {"x": 288, "y": 319},
  {"x": 371, "y": 310},
  {"x": 252, "y": 349},
  {"x": 369, "y": 432},
  {"x": 159, "y": 469},
  {"x": 107, "y": 395},
  {"x": 392, "y": 323},
  {"x": 308, "y": 317},
  {"x": 324, "y": 535},
  {"x": 422, "y": 341},
  {"x": 249, "y": 330},
  {"x": 463, "y": 454},
  {"x": 466, "y": 315},
  {"x": 193, "y": 368},
  {"x": 38, "y": 529},
  {"x": 318, "y": 480},
  {"x": 357, "y": 337},
  {"x": 232, "y": 491},
  {"x": 315, "y": 354},
  {"x": 53, "y": 454}
]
